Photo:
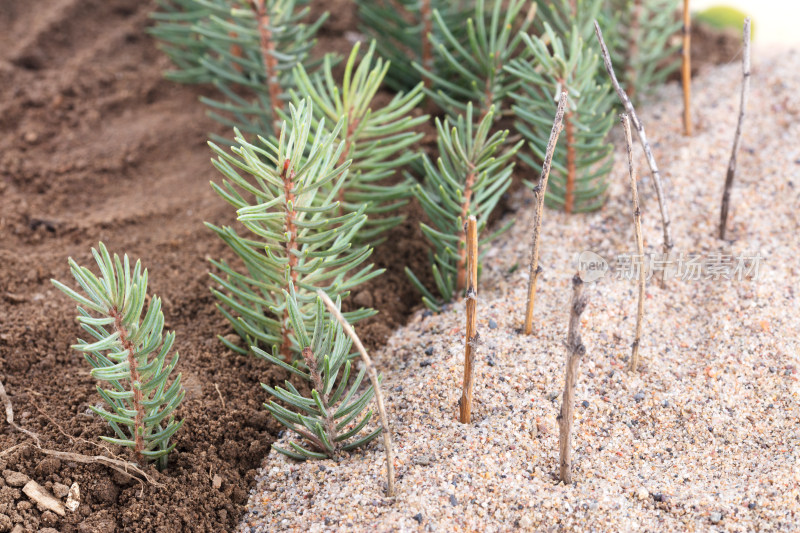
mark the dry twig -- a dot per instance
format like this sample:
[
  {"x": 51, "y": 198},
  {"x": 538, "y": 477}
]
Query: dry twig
[
  {"x": 376, "y": 386},
  {"x": 686, "y": 69},
  {"x": 637, "y": 225},
  {"x": 575, "y": 351},
  {"x": 10, "y": 415},
  {"x": 539, "y": 193},
  {"x": 726, "y": 195},
  {"x": 465, "y": 404},
  {"x": 651, "y": 161}
]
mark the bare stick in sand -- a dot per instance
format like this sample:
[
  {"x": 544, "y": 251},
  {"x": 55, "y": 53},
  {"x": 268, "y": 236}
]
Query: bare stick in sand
[
  {"x": 651, "y": 161},
  {"x": 637, "y": 225},
  {"x": 538, "y": 192},
  {"x": 575, "y": 352},
  {"x": 465, "y": 404},
  {"x": 726, "y": 195},
  {"x": 686, "y": 69},
  {"x": 376, "y": 386}
]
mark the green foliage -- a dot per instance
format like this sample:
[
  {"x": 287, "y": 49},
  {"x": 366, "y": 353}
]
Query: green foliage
[
  {"x": 377, "y": 138},
  {"x": 723, "y": 17},
  {"x": 246, "y": 48},
  {"x": 128, "y": 354},
  {"x": 331, "y": 417},
  {"x": 472, "y": 173},
  {"x": 405, "y": 32},
  {"x": 566, "y": 17},
  {"x": 286, "y": 197},
  {"x": 582, "y": 159},
  {"x": 475, "y": 69},
  {"x": 639, "y": 42}
]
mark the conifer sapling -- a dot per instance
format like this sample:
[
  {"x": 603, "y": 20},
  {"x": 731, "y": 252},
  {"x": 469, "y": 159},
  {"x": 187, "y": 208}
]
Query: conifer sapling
[
  {"x": 405, "y": 34},
  {"x": 129, "y": 354},
  {"x": 475, "y": 68},
  {"x": 376, "y": 138},
  {"x": 472, "y": 173},
  {"x": 583, "y": 159},
  {"x": 331, "y": 420},
  {"x": 246, "y": 48},
  {"x": 285, "y": 195}
]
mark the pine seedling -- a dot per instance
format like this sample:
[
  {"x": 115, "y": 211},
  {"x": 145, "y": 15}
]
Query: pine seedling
[
  {"x": 583, "y": 160},
  {"x": 474, "y": 70},
  {"x": 128, "y": 354},
  {"x": 472, "y": 173},
  {"x": 246, "y": 48},
  {"x": 640, "y": 42},
  {"x": 331, "y": 418},
  {"x": 404, "y": 31},
  {"x": 287, "y": 200},
  {"x": 376, "y": 138}
]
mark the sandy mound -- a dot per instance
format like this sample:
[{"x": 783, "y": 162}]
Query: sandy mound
[{"x": 705, "y": 436}]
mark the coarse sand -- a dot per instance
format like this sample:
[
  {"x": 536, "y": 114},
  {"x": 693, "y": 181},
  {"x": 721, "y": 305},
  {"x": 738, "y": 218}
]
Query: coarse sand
[{"x": 706, "y": 435}]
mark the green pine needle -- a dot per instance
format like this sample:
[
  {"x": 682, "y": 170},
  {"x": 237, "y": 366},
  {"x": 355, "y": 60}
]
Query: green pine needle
[
  {"x": 285, "y": 196},
  {"x": 325, "y": 364},
  {"x": 582, "y": 153},
  {"x": 243, "y": 47},
  {"x": 472, "y": 173},
  {"x": 404, "y": 31},
  {"x": 129, "y": 353},
  {"x": 376, "y": 138},
  {"x": 475, "y": 66}
]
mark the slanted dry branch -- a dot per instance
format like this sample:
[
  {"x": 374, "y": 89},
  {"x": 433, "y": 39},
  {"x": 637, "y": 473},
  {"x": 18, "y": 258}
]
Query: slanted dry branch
[{"x": 726, "y": 195}]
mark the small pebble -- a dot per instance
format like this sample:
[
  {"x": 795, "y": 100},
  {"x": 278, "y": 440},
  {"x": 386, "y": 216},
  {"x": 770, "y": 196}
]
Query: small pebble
[
  {"x": 418, "y": 517},
  {"x": 429, "y": 350},
  {"x": 426, "y": 362},
  {"x": 453, "y": 500},
  {"x": 715, "y": 518},
  {"x": 492, "y": 324},
  {"x": 585, "y": 404},
  {"x": 639, "y": 396}
]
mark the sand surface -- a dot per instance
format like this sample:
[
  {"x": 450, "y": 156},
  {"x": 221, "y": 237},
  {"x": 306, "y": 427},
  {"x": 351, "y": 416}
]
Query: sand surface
[{"x": 704, "y": 437}]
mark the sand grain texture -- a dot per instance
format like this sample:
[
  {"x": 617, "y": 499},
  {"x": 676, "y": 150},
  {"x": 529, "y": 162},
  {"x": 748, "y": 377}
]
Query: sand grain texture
[{"x": 704, "y": 437}]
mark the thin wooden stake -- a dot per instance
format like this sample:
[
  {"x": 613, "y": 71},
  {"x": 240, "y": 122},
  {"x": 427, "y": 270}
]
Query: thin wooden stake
[
  {"x": 465, "y": 404},
  {"x": 539, "y": 191},
  {"x": 575, "y": 351},
  {"x": 376, "y": 386},
  {"x": 726, "y": 195},
  {"x": 651, "y": 161},
  {"x": 637, "y": 225},
  {"x": 686, "y": 69}
]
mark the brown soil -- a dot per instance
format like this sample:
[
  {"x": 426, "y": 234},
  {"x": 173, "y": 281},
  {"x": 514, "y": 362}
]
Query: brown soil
[{"x": 96, "y": 145}]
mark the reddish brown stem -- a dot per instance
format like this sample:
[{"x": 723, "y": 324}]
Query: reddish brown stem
[
  {"x": 427, "y": 47},
  {"x": 138, "y": 397},
  {"x": 319, "y": 386},
  {"x": 287, "y": 175},
  {"x": 686, "y": 70},
  {"x": 270, "y": 63},
  {"x": 461, "y": 276},
  {"x": 569, "y": 194}
]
